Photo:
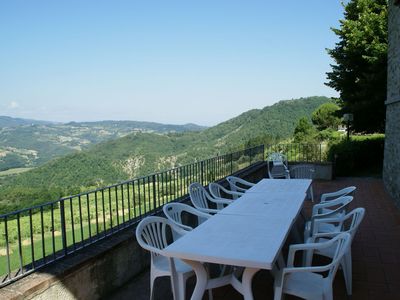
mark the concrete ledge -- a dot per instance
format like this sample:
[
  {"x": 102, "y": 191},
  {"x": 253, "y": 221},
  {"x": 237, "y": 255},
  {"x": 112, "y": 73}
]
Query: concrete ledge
[
  {"x": 87, "y": 274},
  {"x": 323, "y": 170}
]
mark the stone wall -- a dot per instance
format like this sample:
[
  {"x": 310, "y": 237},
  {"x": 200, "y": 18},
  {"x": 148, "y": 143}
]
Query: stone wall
[{"x": 391, "y": 164}]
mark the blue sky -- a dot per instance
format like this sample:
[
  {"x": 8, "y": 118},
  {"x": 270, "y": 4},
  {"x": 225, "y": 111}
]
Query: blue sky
[{"x": 165, "y": 61}]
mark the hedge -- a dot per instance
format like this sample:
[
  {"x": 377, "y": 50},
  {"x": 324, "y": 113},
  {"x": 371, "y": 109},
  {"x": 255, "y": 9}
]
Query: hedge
[{"x": 361, "y": 155}]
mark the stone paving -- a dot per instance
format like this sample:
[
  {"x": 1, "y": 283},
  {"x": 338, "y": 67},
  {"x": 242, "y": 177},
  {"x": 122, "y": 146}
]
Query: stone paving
[{"x": 375, "y": 250}]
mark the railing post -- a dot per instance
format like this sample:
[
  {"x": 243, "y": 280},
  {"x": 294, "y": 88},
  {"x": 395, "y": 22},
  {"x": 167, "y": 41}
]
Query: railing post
[
  {"x": 320, "y": 152},
  {"x": 201, "y": 172},
  {"x": 63, "y": 229},
  {"x": 231, "y": 157},
  {"x": 154, "y": 192}
]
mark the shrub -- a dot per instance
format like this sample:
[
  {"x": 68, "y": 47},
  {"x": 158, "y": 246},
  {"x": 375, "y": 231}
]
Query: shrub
[{"x": 360, "y": 155}]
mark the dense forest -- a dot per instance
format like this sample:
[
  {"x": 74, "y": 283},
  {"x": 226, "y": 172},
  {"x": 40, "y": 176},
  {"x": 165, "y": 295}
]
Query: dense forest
[{"x": 141, "y": 153}]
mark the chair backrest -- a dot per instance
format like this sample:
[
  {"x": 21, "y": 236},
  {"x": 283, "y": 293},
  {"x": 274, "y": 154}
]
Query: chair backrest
[
  {"x": 238, "y": 184},
  {"x": 216, "y": 189},
  {"x": 199, "y": 196},
  {"x": 335, "y": 207},
  {"x": 340, "y": 245},
  {"x": 304, "y": 171},
  {"x": 219, "y": 192},
  {"x": 277, "y": 157},
  {"x": 343, "y": 192},
  {"x": 151, "y": 234},
  {"x": 175, "y": 211},
  {"x": 355, "y": 217},
  {"x": 277, "y": 165}
]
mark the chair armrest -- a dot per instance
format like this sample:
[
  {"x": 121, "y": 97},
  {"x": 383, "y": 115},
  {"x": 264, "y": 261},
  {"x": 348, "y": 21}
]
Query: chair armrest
[
  {"x": 240, "y": 189},
  {"x": 315, "y": 269},
  {"x": 179, "y": 230},
  {"x": 317, "y": 207},
  {"x": 346, "y": 191},
  {"x": 297, "y": 247},
  {"x": 229, "y": 192},
  {"x": 221, "y": 201},
  {"x": 208, "y": 210},
  {"x": 239, "y": 194}
]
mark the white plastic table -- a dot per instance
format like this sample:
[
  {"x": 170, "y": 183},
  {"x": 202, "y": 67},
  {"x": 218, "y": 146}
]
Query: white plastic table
[{"x": 248, "y": 233}]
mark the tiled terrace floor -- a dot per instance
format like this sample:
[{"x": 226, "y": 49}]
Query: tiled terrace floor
[{"x": 375, "y": 250}]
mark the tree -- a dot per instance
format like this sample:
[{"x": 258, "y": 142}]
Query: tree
[
  {"x": 304, "y": 131},
  {"x": 325, "y": 116},
  {"x": 361, "y": 63}
]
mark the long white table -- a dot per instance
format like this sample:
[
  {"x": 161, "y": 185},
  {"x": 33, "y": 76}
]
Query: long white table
[{"x": 248, "y": 233}]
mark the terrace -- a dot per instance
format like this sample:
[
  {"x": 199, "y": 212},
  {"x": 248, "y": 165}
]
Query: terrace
[
  {"x": 113, "y": 265},
  {"x": 375, "y": 252}
]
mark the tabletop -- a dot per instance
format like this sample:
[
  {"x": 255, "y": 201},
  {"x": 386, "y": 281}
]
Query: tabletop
[{"x": 249, "y": 232}]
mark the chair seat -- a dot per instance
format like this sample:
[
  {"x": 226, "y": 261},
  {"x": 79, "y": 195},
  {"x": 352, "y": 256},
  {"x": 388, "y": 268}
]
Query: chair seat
[
  {"x": 305, "y": 285},
  {"x": 162, "y": 264}
]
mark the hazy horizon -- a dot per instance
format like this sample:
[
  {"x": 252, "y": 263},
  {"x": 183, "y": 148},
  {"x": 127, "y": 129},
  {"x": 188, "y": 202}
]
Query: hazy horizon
[
  {"x": 126, "y": 120},
  {"x": 169, "y": 62}
]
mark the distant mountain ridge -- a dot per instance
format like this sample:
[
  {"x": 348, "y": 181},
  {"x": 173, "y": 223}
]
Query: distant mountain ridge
[
  {"x": 30, "y": 143},
  {"x": 142, "y": 153},
  {"x": 6, "y": 121}
]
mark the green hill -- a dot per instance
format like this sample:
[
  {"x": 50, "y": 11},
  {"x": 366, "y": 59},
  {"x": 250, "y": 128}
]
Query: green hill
[
  {"x": 29, "y": 143},
  {"x": 144, "y": 153}
]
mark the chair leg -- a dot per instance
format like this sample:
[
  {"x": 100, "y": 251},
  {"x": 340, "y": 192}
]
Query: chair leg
[
  {"x": 347, "y": 272},
  {"x": 181, "y": 286},
  {"x": 307, "y": 258},
  {"x": 210, "y": 295},
  {"x": 328, "y": 295},
  {"x": 277, "y": 293},
  {"x": 310, "y": 193},
  {"x": 152, "y": 279}
]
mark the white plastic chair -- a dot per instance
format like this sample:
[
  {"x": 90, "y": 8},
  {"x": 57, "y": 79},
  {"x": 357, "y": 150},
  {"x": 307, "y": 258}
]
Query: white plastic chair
[
  {"x": 151, "y": 234},
  {"x": 334, "y": 195},
  {"x": 348, "y": 223},
  {"x": 175, "y": 211},
  {"x": 277, "y": 166},
  {"x": 348, "y": 191},
  {"x": 201, "y": 198},
  {"x": 304, "y": 171},
  {"x": 337, "y": 209},
  {"x": 218, "y": 192},
  {"x": 238, "y": 184},
  {"x": 306, "y": 282}
]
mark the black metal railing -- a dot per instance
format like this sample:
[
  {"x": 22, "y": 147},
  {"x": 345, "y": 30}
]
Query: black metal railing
[
  {"x": 36, "y": 236},
  {"x": 300, "y": 152}
]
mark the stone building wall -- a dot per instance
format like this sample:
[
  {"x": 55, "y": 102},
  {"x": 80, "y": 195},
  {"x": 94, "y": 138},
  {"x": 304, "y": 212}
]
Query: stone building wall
[{"x": 391, "y": 164}]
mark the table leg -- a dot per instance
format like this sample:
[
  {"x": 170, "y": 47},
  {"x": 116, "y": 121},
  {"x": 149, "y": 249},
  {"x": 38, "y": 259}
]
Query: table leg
[
  {"x": 201, "y": 279},
  {"x": 245, "y": 287}
]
